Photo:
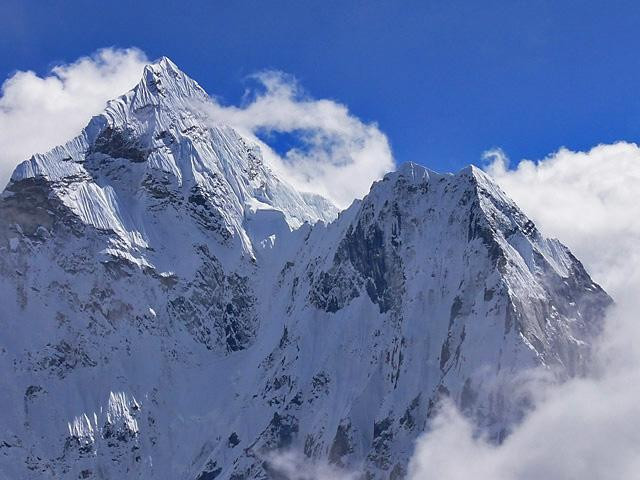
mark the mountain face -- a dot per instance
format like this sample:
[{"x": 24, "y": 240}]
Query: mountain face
[{"x": 171, "y": 309}]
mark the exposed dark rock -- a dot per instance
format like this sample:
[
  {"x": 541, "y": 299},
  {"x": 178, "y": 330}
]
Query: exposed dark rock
[
  {"x": 119, "y": 144},
  {"x": 233, "y": 440},
  {"x": 341, "y": 444},
  {"x": 210, "y": 472},
  {"x": 219, "y": 310}
]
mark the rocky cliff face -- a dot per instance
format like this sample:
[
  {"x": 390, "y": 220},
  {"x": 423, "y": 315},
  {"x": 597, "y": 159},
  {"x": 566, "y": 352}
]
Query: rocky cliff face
[{"x": 172, "y": 309}]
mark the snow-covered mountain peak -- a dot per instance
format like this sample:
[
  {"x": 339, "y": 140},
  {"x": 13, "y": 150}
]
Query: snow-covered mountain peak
[
  {"x": 412, "y": 170},
  {"x": 162, "y": 316},
  {"x": 164, "y": 69},
  {"x": 163, "y": 82},
  {"x": 165, "y": 98},
  {"x": 411, "y": 178},
  {"x": 415, "y": 173}
]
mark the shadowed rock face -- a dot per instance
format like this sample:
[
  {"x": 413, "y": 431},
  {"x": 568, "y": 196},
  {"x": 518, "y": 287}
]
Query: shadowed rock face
[
  {"x": 217, "y": 309},
  {"x": 118, "y": 143},
  {"x": 30, "y": 205},
  {"x": 370, "y": 257},
  {"x": 163, "y": 299},
  {"x": 366, "y": 257}
]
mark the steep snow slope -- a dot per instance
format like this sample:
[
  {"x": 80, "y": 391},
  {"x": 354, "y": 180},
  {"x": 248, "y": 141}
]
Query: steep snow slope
[{"x": 167, "y": 313}]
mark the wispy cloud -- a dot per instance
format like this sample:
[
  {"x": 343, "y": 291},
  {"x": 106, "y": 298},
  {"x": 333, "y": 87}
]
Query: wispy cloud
[{"x": 338, "y": 155}]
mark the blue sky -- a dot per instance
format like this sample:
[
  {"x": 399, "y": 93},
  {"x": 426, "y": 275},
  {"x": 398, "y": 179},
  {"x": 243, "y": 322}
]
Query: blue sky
[{"x": 444, "y": 80}]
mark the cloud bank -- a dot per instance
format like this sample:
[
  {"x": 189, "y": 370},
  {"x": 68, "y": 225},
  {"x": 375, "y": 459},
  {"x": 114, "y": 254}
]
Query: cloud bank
[
  {"x": 589, "y": 200},
  {"x": 585, "y": 429},
  {"x": 39, "y": 112},
  {"x": 337, "y": 155}
]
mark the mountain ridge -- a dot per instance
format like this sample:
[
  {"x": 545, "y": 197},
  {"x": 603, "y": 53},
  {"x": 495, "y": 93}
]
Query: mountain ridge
[{"x": 173, "y": 309}]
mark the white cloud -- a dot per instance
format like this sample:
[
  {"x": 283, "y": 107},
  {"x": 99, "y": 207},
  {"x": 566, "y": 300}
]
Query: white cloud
[
  {"x": 585, "y": 429},
  {"x": 296, "y": 466},
  {"x": 340, "y": 156},
  {"x": 40, "y": 112},
  {"x": 589, "y": 200}
]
